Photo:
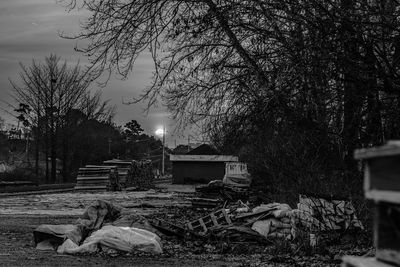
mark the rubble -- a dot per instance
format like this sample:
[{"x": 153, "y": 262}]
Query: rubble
[
  {"x": 335, "y": 214},
  {"x": 220, "y": 190},
  {"x": 234, "y": 223},
  {"x": 205, "y": 202}
]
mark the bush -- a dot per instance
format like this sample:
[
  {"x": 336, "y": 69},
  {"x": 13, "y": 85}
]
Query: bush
[{"x": 19, "y": 174}]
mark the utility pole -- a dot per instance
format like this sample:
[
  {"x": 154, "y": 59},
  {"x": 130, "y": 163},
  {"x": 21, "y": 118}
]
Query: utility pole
[
  {"x": 27, "y": 146},
  {"x": 163, "y": 151}
]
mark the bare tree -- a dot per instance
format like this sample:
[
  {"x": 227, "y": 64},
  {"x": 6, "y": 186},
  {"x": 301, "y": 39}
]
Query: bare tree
[
  {"x": 278, "y": 69},
  {"x": 51, "y": 90}
]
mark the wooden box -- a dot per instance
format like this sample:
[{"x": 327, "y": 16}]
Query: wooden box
[
  {"x": 382, "y": 185},
  {"x": 382, "y": 172},
  {"x": 387, "y": 232}
]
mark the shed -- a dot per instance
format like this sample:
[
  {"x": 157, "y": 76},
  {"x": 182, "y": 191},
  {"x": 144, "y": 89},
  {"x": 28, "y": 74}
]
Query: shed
[{"x": 200, "y": 165}]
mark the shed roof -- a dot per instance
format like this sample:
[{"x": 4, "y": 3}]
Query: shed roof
[
  {"x": 204, "y": 158},
  {"x": 392, "y": 148},
  {"x": 203, "y": 149}
]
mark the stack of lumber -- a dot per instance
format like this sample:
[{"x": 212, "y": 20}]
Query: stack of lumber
[
  {"x": 116, "y": 174},
  {"x": 114, "y": 180},
  {"x": 93, "y": 179},
  {"x": 124, "y": 168}
]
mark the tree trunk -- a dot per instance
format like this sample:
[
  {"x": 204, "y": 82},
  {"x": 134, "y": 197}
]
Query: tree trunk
[
  {"x": 352, "y": 95},
  {"x": 37, "y": 154}
]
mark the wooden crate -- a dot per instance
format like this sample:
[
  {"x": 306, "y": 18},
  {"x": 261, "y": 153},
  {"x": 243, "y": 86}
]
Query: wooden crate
[
  {"x": 350, "y": 261},
  {"x": 382, "y": 185},
  {"x": 381, "y": 172},
  {"x": 387, "y": 232},
  {"x": 93, "y": 179}
]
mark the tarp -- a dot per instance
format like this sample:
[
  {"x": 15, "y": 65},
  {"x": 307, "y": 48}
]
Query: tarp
[
  {"x": 115, "y": 238},
  {"x": 95, "y": 231},
  {"x": 49, "y": 237}
]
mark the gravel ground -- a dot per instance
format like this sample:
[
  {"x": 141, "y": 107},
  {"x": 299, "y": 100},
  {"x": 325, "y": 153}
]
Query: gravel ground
[{"x": 20, "y": 215}]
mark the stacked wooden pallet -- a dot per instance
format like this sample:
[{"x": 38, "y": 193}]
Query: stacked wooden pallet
[
  {"x": 124, "y": 168},
  {"x": 382, "y": 186},
  {"x": 93, "y": 179},
  {"x": 214, "y": 219},
  {"x": 116, "y": 174},
  {"x": 114, "y": 184}
]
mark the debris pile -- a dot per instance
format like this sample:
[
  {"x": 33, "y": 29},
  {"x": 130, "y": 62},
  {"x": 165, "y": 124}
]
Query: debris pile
[
  {"x": 103, "y": 227},
  {"x": 276, "y": 220},
  {"x": 220, "y": 190},
  {"x": 335, "y": 214},
  {"x": 236, "y": 175},
  {"x": 234, "y": 186}
]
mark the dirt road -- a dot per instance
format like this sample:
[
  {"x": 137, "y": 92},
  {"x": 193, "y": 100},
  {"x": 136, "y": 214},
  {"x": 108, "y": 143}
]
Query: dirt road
[{"x": 20, "y": 215}]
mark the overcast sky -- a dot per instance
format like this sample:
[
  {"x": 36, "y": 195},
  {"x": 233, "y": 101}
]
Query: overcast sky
[{"x": 29, "y": 29}]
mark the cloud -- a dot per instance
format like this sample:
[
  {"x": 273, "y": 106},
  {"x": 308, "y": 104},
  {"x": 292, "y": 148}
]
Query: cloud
[{"x": 30, "y": 29}]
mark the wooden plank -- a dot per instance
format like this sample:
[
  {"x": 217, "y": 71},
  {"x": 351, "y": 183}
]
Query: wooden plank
[
  {"x": 90, "y": 187},
  {"x": 351, "y": 261},
  {"x": 213, "y": 219},
  {"x": 388, "y": 255},
  {"x": 92, "y": 178},
  {"x": 228, "y": 220},
  {"x": 375, "y": 152},
  {"x": 383, "y": 196},
  {"x": 367, "y": 178},
  {"x": 203, "y": 225},
  {"x": 100, "y": 167}
]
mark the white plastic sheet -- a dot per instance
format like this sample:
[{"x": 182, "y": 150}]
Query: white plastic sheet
[{"x": 115, "y": 238}]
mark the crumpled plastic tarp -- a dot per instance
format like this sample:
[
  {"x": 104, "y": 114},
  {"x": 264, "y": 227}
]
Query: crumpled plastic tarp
[
  {"x": 99, "y": 212},
  {"x": 117, "y": 238},
  {"x": 48, "y": 237},
  {"x": 101, "y": 226}
]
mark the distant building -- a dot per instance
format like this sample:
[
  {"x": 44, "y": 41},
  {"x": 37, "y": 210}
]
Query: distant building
[
  {"x": 183, "y": 149},
  {"x": 200, "y": 165}
]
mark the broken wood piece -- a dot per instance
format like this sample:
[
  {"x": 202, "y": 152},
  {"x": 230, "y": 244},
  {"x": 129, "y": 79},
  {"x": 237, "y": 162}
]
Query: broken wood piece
[
  {"x": 168, "y": 228},
  {"x": 351, "y": 261},
  {"x": 205, "y": 202},
  {"x": 214, "y": 219}
]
